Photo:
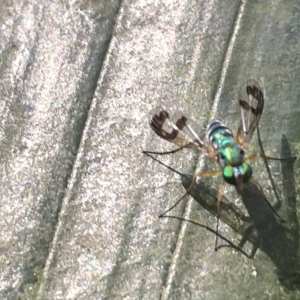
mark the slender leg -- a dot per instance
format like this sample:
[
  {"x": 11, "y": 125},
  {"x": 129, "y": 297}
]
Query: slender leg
[
  {"x": 265, "y": 198},
  {"x": 257, "y": 155},
  {"x": 209, "y": 150},
  {"x": 202, "y": 174},
  {"x": 220, "y": 194},
  {"x": 167, "y": 152},
  {"x": 209, "y": 174},
  {"x": 252, "y": 157}
]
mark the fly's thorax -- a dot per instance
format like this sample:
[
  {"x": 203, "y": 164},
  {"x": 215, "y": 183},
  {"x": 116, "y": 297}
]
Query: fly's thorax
[
  {"x": 221, "y": 138},
  {"x": 231, "y": 154}
]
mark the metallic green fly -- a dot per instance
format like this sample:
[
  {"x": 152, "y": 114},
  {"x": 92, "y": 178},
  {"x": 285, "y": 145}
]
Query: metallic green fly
[{"x": 225, "y": 149}]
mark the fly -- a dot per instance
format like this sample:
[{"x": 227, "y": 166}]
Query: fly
[{"x": 225, "y": 149}]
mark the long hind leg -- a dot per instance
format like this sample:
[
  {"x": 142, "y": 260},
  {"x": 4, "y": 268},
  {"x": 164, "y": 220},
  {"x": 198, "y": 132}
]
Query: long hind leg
[
  {"x": 258, "y": 155},
  {"x": 201, "y": 174},
  {"x": 220, "y": 194},
  {"x": 265, "y": 198}
]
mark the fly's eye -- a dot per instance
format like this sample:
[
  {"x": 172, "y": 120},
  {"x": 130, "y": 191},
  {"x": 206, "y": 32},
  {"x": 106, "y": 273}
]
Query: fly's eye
[
  {"x": 242, "y": 152},
  {"x": 247, "y": 171},
  {"x": 228, "y": 175}
]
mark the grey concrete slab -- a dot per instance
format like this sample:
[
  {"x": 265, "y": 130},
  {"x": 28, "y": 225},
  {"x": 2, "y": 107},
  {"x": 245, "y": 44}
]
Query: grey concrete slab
[
  {"x": 80, "y": 202},
  {"x": 51, "y": 56}
]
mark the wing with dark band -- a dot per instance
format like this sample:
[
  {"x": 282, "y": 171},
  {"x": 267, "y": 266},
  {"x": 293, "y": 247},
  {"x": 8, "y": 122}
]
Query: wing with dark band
[
  {"x": 251, "y": 102},
  {"x": 176, "y": 135}
]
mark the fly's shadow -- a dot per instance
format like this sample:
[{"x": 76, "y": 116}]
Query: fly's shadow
[
  {"x": 280, "y": 241},
  {"x": 229, "y": 213},
  {"x": 261, "y": 227}
]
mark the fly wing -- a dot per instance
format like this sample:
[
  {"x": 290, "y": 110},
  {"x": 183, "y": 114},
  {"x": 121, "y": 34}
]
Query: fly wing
[
  {"x": 251, "y": 102},
  {"x": 179, "y": 133}
]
